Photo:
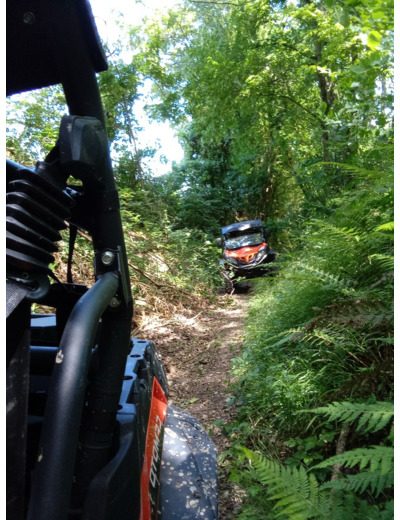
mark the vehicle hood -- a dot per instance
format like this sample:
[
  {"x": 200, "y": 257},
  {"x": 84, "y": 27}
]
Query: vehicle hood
[{"x": 245, "y": 254}]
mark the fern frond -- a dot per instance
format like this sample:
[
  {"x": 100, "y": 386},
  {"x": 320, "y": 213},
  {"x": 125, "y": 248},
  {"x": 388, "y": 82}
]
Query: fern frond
[
  {"x": 296, "y": 493},
  {"x": 388, "y": 226},
  {"x": 352, "y": 169},
  {"x": 367, "y": 313},
  {"x": 387, "y": 513},
  {"x": 342, "y": 232},
  {"x": 371, "y": 417},
  {"x": 359, "y": 483},
  {"x": 385, "y": 261},
  {"x": 323, "y": 276},
  {"x": 376, "y": 419},
  {"x": 379, "y": 459}
]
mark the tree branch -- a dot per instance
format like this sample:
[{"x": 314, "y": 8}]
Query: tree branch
[{"x": 302, "y": 107}]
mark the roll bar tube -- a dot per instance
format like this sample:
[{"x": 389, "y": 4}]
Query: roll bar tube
[{"x": 53, "y": 476}]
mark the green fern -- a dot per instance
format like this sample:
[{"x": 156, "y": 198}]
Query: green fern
[
  {"x": 371, "y": 417},
  {"x": 386, "y": 261},
  {"x": 359, "y": 483},
  {"x": 376, "y": 463},
  {"x": 350, "y": 234},
  {"x": 323, "y": 276},
  {"x": 379, "y": 459},
  {"x": 359, "y": 312},
  {"x": 297, "y": 495},
  {"x": 388, "y": 226},
  {"x": 353, "y": 169}
]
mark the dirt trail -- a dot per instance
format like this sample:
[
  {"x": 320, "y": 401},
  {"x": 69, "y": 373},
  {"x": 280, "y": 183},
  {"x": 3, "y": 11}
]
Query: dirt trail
[{"x": 197, "y": 355}]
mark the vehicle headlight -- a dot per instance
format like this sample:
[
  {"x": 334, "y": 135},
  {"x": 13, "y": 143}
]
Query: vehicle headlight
[{"x": 261, "y": 253}]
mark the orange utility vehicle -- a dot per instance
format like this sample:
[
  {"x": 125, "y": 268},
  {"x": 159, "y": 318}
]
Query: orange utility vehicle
[{"x": 246, "y": 252}]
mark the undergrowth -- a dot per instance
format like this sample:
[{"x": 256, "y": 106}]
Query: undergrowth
[
  {"x": 313, "y": 385},
  {"x": 172, "y": 272}
]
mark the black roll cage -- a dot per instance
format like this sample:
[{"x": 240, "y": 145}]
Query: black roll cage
[
  {"x": 88, "y": 415},
  {"x": 49, "y": 42}
]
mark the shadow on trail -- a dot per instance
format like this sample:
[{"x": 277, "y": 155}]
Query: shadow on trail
[
  {"x": 236, "y": 288},
  {"x": 243, "y": 287}
]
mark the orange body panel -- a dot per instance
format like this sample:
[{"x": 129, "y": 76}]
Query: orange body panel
[
  {"x": 150, "y": 478},
  {"x": 245, "y": 254}
]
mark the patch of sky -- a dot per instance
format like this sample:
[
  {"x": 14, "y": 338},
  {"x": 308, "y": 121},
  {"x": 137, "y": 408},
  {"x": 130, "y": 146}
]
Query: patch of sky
[{"x": 111, "y": 18}]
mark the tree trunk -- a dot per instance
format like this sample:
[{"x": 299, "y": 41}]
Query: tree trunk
[{"x": 327, "y": 94}]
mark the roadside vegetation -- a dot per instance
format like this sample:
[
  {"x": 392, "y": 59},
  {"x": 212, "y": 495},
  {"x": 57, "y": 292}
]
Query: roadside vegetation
[
  {"x": 285, "y": 112},
  {"x": 314, "y": 384}
]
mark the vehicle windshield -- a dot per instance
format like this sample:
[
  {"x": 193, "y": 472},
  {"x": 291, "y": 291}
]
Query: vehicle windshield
[{"x": 237, "y": 242}]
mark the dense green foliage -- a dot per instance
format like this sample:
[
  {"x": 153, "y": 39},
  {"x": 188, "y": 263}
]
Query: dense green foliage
[
  {"x": 271, "y": 92},
  {"x": 297, "y": 492},
  {"x": 322, "y": 332},
  {"x": 285, "y": 112}
]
